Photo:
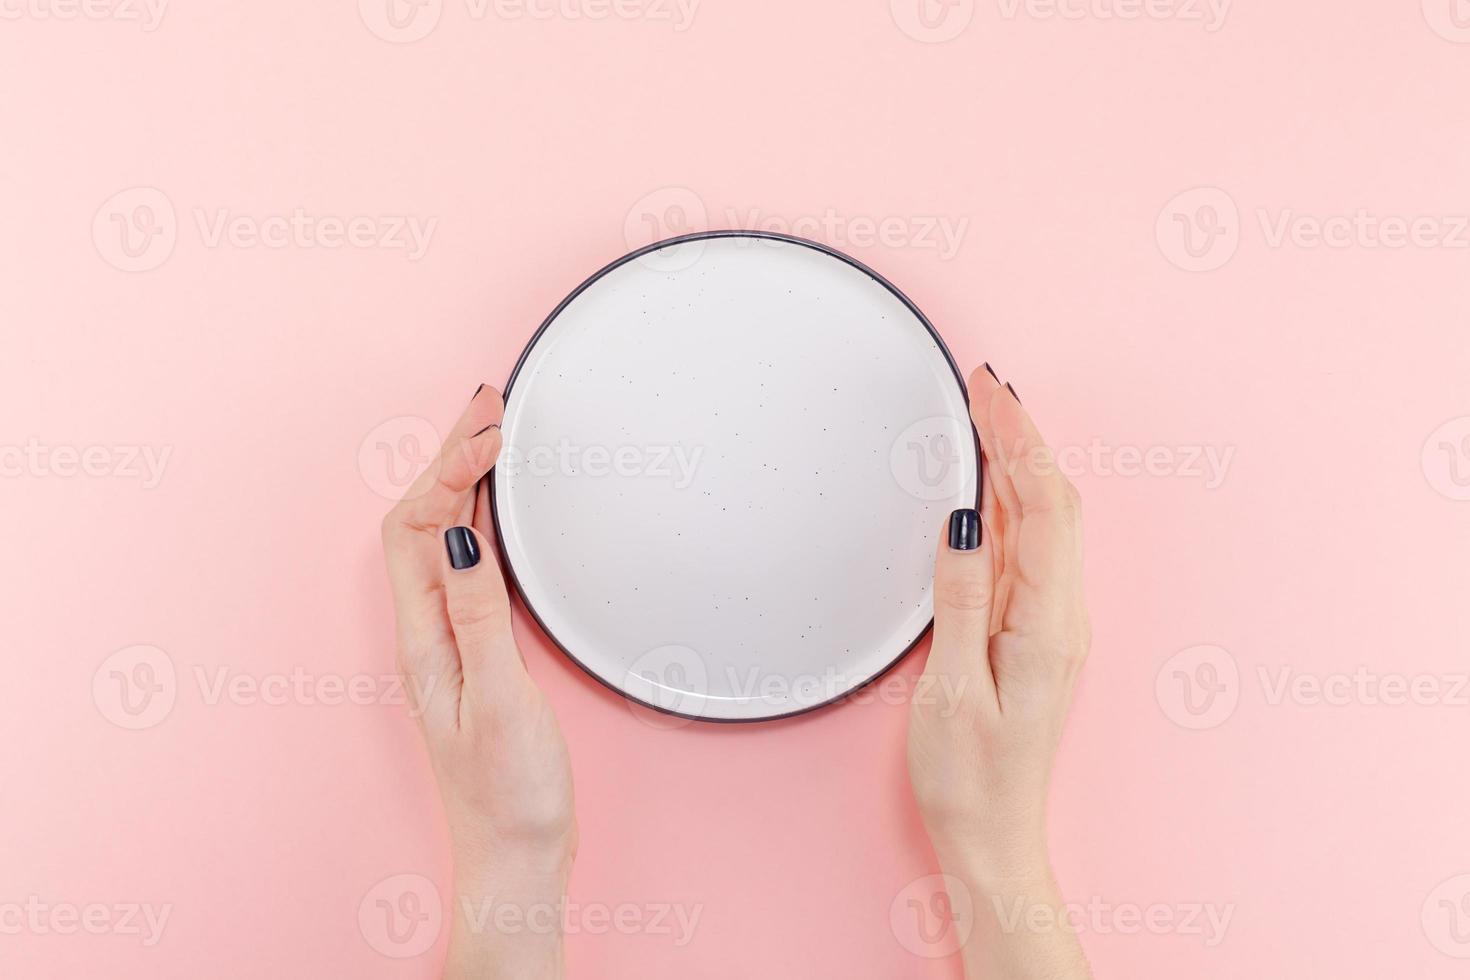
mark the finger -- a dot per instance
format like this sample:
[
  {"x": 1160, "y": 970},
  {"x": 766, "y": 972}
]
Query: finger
[
  {"x": 992, "y": 523},
  {"x": 412, "y": 529},
  {"x": 479, "y": 613},
  {"x": 427, "y": 651},
  {"x": 1048, "y": 556},
  {"x": 484, "y": 522},
  {"x": 433, "y": 500},
  {"x": 964, "y": 589},
  {"x": 998, "y": 496}
]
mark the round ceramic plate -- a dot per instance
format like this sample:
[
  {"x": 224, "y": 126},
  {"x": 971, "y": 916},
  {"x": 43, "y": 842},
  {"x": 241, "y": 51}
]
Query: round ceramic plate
[{"x": 728, "y": 463}]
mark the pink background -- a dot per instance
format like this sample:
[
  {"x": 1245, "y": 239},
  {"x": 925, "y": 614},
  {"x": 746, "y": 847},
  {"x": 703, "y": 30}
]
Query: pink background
[{"x": 1336, "y": 375}]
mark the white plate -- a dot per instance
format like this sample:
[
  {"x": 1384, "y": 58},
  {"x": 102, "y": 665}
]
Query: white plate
[{"x": 729, "y": 460}]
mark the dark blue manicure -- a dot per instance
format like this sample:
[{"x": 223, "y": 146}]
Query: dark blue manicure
[
  {"x": 964, "y": 529},
  {"x": 464, "y": 550}
]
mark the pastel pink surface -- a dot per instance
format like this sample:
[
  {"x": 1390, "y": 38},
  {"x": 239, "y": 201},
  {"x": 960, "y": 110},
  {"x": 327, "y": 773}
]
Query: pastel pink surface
[{"x": 543, "y": 148}]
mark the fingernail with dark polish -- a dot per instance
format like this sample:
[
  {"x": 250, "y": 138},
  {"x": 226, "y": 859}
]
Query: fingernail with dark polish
[
  {"x": 992, "y": 372},
  {"x": 464, "y": 550},
  {"x": 964, "y": 529},
  {"x": 477, "y": 392},
  {"x": 487, "y": 428},
  {"x": 1013, "y": 392}
]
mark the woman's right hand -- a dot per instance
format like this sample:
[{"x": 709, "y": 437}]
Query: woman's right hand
[{"x": 1010, "y": 635}]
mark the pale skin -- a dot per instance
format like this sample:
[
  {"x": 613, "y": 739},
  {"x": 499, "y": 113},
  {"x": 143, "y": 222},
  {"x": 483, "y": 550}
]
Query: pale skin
[{"x": 1010, "y": 633}]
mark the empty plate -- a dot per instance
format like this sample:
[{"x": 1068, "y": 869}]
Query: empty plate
[{"x": 728, "y": 462}]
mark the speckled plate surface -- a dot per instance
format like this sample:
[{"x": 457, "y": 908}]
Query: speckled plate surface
[{"x": 728, "y": 461}]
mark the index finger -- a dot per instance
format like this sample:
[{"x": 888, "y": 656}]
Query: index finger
[{"x": 1048, "y": 541}]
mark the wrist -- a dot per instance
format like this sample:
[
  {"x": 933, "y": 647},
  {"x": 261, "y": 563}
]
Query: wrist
[
  {"x": 996, "y": 863},
  {"x": 508, "y": 915},
  {"x": 482, "y": 854}
]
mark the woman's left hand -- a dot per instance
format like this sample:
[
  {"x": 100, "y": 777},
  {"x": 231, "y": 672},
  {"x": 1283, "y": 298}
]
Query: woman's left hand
[{"x": 497, "y": 751}]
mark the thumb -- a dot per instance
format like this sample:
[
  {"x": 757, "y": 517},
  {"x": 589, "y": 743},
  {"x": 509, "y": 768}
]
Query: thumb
[
  {"x": 964, "y": 587},
  {"x": 479, "y": 612}
]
